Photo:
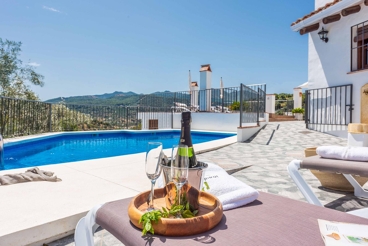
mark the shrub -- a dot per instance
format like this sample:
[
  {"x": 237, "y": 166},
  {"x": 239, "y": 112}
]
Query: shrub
[
  {"x": 298, "y": 111},
  {"x": 235, "y": 106},
  {"x": 280, "y": 112}
]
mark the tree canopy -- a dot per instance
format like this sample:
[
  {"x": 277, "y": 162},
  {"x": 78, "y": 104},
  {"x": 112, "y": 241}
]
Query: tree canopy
[{"x": 14, "y": 76}]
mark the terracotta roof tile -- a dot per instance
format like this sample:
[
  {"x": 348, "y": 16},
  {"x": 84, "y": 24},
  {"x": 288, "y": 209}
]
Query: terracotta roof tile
[
  {"x": 327, "y": 5},
  {"x": 194, "y": 83}
]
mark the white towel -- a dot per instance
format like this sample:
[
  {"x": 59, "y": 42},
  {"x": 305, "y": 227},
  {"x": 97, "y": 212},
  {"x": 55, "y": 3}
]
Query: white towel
[
  {"x": 343, "y": 153},
  {"x": 230, "y": 191}
]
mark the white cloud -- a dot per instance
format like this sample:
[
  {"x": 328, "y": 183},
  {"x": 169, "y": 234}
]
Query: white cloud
[
  {"x": 34, "y": 64},
  {"x": 51, "y": 9}
]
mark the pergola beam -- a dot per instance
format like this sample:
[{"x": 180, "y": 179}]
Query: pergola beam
[
  {"x": 351, "y": 10},
  {"x": 308, "y": 29},
  {"x": 331, "y": 18}
]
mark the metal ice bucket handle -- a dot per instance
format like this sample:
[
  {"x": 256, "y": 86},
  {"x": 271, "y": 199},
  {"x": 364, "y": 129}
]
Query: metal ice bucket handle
[{"x": 195, "y": 175}]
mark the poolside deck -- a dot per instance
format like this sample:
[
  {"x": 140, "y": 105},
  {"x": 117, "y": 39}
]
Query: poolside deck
[
  {"x": 267, "y": 156},
  {"x": 268, "y": 159},
  {"x": 40, "y": 212}
]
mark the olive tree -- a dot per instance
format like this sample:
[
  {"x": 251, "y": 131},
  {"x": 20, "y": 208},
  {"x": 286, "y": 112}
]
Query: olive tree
[{"x": 15, "y": 77}]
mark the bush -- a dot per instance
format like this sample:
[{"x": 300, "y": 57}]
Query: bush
[
  {"x": 235, "y": 106},
  {"x": 280, "y": 112},
  {"x": 298, "y": 111}
]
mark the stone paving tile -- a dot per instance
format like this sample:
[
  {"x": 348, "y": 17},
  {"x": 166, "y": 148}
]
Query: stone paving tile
[{"x": 266, "y": 160}]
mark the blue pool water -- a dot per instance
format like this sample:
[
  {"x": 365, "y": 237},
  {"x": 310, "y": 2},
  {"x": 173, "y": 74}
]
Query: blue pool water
[{"x": 77, "y": 147}]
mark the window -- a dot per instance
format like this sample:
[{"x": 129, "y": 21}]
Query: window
[{"x": 359, "y": 46}]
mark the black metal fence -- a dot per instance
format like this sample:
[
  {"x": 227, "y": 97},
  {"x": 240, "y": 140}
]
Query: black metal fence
[
  {"x": 219, "y": 99},
  {"x": 252, "y": 103},
  {"x": 284, "y": 107},
  {"x": 21, "y": 117},
  {"x": 329, "y": 106}
]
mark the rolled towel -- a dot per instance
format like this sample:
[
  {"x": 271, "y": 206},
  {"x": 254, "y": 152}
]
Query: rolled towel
[
  {"x": 230, "y": 191},
  {"x": 343, "y": 153}
]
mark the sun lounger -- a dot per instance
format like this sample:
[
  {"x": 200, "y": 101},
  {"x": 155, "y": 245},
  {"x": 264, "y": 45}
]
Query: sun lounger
[
  {"x": 269, "y": 220},
  {"x": 347, "y": 168}
]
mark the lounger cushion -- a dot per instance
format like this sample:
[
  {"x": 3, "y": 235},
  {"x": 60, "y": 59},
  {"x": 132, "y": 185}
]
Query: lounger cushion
[
  {"x": 333, "y": 165},
  {"x": 269, "y": 220}
]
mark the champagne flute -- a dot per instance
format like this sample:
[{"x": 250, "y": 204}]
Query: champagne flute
[
  {"x": 179, "y": 167},
  {"x": 153, "y": 167}
]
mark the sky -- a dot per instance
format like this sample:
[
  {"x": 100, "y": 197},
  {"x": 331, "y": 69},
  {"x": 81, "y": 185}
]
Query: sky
[{"x": 88, "y": 47}]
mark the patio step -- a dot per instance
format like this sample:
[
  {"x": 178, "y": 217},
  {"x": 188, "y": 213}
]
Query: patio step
[
  {"x": 264, "y": 136},
  {"x": 275, "y": 117}
]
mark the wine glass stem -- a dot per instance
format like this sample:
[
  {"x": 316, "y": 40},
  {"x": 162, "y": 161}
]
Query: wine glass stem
[
  {"x": 179, "y": 193},
  {"x": 152, "y": 193}
]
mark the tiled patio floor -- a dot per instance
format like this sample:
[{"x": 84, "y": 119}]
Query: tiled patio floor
[{"x": 268, "y": 158}]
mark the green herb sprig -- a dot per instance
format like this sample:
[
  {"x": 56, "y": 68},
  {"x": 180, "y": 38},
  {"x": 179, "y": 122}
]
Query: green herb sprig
[{"x": 176, "y": 211}]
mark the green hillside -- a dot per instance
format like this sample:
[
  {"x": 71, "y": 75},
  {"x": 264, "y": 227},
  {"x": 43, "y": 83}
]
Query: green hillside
[{"x": 115, "y": 98}]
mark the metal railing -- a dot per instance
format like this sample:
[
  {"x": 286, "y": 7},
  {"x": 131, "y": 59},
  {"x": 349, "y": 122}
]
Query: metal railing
[
  {"x": 216, "y": 99},
  {"x": 21, "y": 117},
  {"x": 252, "y": 104},
  {"x": 284, "y": 107},
  {"x": 329, "y": 106}
]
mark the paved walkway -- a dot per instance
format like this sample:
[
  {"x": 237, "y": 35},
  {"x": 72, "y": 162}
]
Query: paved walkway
[{"x": 267, "y": 154}]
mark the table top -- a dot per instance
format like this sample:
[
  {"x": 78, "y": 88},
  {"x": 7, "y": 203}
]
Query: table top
[{"x": 269, "y": 220}]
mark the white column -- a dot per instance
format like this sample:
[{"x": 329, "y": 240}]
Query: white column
[
  {"x": 297, "y": 97},
  {"x": 270, "y": 103},
  {"x": 205, "y": 88}
]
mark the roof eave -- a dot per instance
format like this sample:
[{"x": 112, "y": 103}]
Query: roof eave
[{"x": 324, "y": 13}]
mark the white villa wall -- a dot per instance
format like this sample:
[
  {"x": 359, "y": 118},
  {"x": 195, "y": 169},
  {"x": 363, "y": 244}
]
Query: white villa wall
[
  {"x": 164, "y": 119},
  {"x": 211, "y": 121},
  {"x": 208, "y": 122},
  {"x": 329, "y": 63}
]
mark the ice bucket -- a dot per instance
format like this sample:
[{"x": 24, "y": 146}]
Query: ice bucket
[
  {"x": 191, "y": 189},
  {"x": 195, "y": 175}
]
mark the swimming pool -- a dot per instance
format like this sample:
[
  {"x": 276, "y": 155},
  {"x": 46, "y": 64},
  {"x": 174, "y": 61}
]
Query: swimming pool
[{"x": 71, "y": 147}]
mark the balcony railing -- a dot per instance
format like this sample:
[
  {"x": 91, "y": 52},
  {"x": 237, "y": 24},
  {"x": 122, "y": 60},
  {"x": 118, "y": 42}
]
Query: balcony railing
[{"x": 21, "y": 117}]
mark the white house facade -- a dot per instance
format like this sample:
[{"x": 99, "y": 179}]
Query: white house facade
[{"x": 337, "y": 64}]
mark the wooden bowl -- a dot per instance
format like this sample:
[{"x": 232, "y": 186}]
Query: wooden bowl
[{"x": 209, "y": 215}]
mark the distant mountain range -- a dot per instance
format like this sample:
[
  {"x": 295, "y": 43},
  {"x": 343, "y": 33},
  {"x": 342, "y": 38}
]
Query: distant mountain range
[{"x": 115, "y": 98}]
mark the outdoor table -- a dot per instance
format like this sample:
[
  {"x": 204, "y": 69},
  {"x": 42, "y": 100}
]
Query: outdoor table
[{"x": 269, "y": 220}]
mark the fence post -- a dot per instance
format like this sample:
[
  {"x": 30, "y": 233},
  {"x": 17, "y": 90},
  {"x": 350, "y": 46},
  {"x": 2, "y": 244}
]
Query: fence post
[
  {"x": 172, "y": 118},
  {"x": 223, "y": 95},
  {"x": 126, "y": 116},
  {"x": 241, "y": 105},
  {"x": 258, "y": 107},
  {"x": 50, "y": 115},
  {"x": 136, "y": 124},
  {"x": 351, "y": 104},
  {"x": 306, "y": 113},
  {"x": 265, "y": 95}
]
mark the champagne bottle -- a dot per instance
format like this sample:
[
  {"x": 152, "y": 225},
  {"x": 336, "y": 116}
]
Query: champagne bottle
[{"x": 186, "y": 138}]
